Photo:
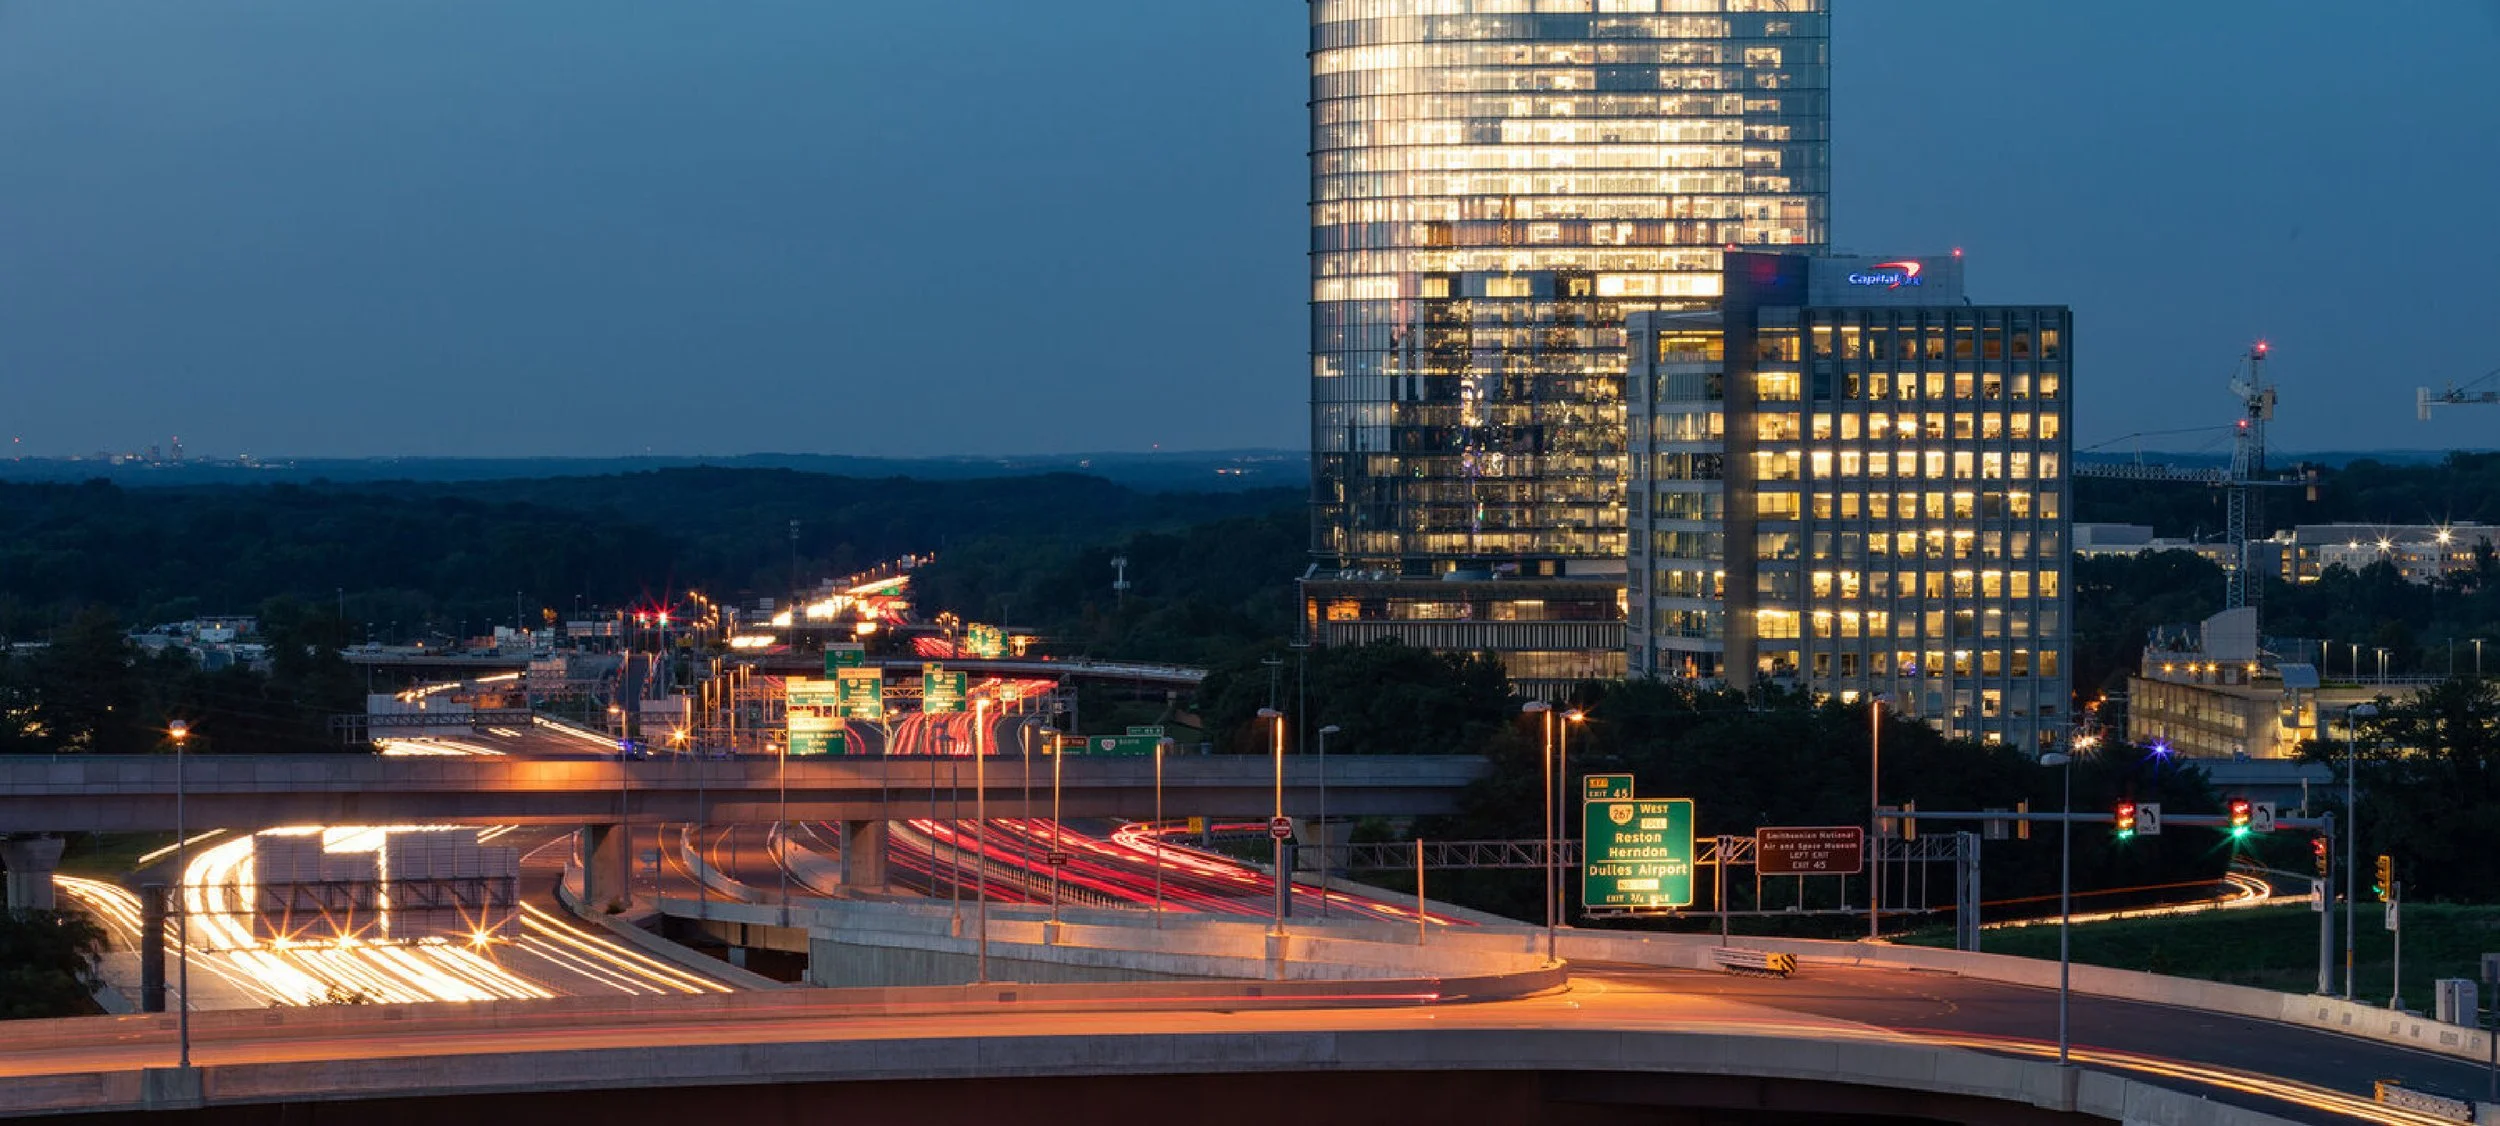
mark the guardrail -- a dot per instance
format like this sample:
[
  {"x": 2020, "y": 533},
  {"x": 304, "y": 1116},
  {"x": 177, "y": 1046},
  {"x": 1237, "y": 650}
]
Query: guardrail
[{"x": 1772, "y": 963}]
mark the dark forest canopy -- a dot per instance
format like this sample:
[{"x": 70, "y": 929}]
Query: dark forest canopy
[{"x": 428, "y": 556}]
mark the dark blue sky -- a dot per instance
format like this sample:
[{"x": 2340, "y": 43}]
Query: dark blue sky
[{"x": 591, "y": 227}]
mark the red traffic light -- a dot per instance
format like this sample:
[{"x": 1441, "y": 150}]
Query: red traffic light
[
  {"x": 2239, "y": 815},
  {"x": 2318, "y": 852},
  {"x": 2125, "y": 818}
]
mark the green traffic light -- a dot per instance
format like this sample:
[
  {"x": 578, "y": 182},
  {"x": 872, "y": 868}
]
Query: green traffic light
[
  {"x": 2123, "y": 834},
  {"x": 2239, "y": 831}
]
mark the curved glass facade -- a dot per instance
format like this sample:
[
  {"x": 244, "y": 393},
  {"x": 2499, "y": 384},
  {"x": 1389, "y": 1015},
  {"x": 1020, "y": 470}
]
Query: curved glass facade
[{"x": 1495, "y": 185}]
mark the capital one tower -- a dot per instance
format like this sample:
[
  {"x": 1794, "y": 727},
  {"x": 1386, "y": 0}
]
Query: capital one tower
[{"x": 1495, "y": 186}]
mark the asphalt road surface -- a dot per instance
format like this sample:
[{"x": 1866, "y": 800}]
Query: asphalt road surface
[{"x": 2019, "y": 1020}]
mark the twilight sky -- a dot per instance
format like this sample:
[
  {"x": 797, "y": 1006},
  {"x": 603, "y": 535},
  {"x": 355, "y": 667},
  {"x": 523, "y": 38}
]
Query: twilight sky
[{"x": 596, "y": 227}]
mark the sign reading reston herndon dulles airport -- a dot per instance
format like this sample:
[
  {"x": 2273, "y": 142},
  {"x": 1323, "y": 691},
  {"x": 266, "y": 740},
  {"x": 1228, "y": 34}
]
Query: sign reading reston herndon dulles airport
[{"x": 1638, "y": 853}]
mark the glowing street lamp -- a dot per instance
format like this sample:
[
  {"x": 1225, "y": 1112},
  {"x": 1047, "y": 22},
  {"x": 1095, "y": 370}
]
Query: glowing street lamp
[
  {"x": 1283, "y": 878},
  {"x": 981, "y": 834},
  {"x": 1545, "y": 716},
  {"x": 180, "y": 733},
  {"x": 1562, "y": 811}
]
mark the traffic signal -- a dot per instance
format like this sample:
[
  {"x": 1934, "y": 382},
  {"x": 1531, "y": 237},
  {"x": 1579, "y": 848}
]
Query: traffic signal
[
  {"x": 2318, "y": 854},
  {"x": 1909, "y": 821},
  {"x": 2125, "y": 819},
  {"x": 2022, "y": 826},
  {"x": 2239, "y": 817},
  {"x": 2386, "y": 876}
]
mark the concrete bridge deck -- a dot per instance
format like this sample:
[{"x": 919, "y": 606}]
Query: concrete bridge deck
[{"x": 113, "y": 793}]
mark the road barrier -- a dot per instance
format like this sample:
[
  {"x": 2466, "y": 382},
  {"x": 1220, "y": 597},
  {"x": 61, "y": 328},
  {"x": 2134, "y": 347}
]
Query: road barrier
[{"x": 1768, "y": 962}]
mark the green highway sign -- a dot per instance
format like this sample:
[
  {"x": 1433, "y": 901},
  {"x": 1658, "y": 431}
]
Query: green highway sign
[
  {"x": 817, "y": 697},
  {"x": 1122, "y": 744},
  {"x": 941, "y": 691},
  {"x": 841, "y": 655},
  {"x": 1149, "y": 730},
  {"x": 1605, "y": 787},
  {"x": 984, "y": 641},
  {"x": 812, "y": 717},
  {"x": 832, "y": 742},
  {"x": 1639, "y": 853},
  {"x": 863, "y": 693}
]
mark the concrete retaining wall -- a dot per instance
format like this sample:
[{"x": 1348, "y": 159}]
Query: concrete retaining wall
[
  {"x": 1844, "y": 1065},
  {"x": 627, "y": 932},
  {"x": 925, "y": 944}
]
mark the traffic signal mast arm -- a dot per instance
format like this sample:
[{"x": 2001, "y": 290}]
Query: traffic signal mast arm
[{"x": 2193, "y": 820}]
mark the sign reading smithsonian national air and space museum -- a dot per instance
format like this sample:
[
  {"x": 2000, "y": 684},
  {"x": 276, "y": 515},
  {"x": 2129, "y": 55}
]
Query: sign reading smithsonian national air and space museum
[{"x": 1638, "y": 853}]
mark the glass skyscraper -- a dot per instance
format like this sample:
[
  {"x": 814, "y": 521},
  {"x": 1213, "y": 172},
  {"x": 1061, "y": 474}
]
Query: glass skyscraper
[{"x": 1495, "y": 186}]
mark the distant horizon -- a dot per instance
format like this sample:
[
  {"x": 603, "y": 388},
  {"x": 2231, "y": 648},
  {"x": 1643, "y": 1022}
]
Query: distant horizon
[{"x": 2278, "y": 454}]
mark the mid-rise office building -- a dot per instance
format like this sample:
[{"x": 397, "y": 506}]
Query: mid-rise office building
[
  {"x": 1495, "y": 186},
  {"x": 1851, "y": 479}
]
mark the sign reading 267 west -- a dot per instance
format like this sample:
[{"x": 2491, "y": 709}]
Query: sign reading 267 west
[{"x": 1639, "y": 853}]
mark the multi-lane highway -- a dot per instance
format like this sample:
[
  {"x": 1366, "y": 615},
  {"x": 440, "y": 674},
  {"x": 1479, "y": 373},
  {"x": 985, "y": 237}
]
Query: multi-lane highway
[
  {"x": 2259, "y": 1064},
  {"x": 238, "y": 961}
]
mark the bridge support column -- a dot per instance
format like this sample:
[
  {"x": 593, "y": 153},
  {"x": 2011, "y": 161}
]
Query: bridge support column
[
  {"x": 31, "y": 862},
  {"x": 863, "y": 854},
  {"x": 607, "y": 867}
]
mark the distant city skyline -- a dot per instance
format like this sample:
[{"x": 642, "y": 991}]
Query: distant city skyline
[{"x": 294, "y": 230}]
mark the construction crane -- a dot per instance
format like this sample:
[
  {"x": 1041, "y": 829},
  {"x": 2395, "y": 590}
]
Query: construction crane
[
  {"x": 2247, "y": 472},
  {"x": 2454, "y": 396}
]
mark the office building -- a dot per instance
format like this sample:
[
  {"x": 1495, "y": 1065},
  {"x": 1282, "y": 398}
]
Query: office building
[
  {"x": 2421, "y": 553},
  {"x": 1495, "y": 186},
  {"x": 2216, "y": 690},
  {"x": 1850, "y": 479}
]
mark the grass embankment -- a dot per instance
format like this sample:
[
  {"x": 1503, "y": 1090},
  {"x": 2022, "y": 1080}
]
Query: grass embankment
[
  {"x": 107, "y": 856},
  {"x": 2270, "y": 947}
]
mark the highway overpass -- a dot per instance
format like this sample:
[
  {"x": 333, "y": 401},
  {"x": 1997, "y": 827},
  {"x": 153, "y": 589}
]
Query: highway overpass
[
  {"x": 120, "y": 793},
  {"x": 1636, "y": 1032}
]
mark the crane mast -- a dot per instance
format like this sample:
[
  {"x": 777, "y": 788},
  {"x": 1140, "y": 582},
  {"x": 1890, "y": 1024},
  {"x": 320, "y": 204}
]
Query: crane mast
[{"x": 2248, "y": 467}]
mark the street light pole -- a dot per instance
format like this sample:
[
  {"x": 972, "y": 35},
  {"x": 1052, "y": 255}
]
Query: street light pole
[
  {"x": 1058, "y": 754},
  {"x": 1545, "y": 716},
  {"x": 1283, "y": 878},
  {"x": 1561, "y": 801},
  {"x": 981, "y": 836},
  {"x": 781, "y": 860},
  {"x": 1875, "y": 817},
  {"x": 2065, "y": 761},
  {"x": 181, "y": 733},
  {"x": 1321, "y": 822},
  {"x": 1162, "y": 745},
  {"x": 2352, "y": 832}
]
